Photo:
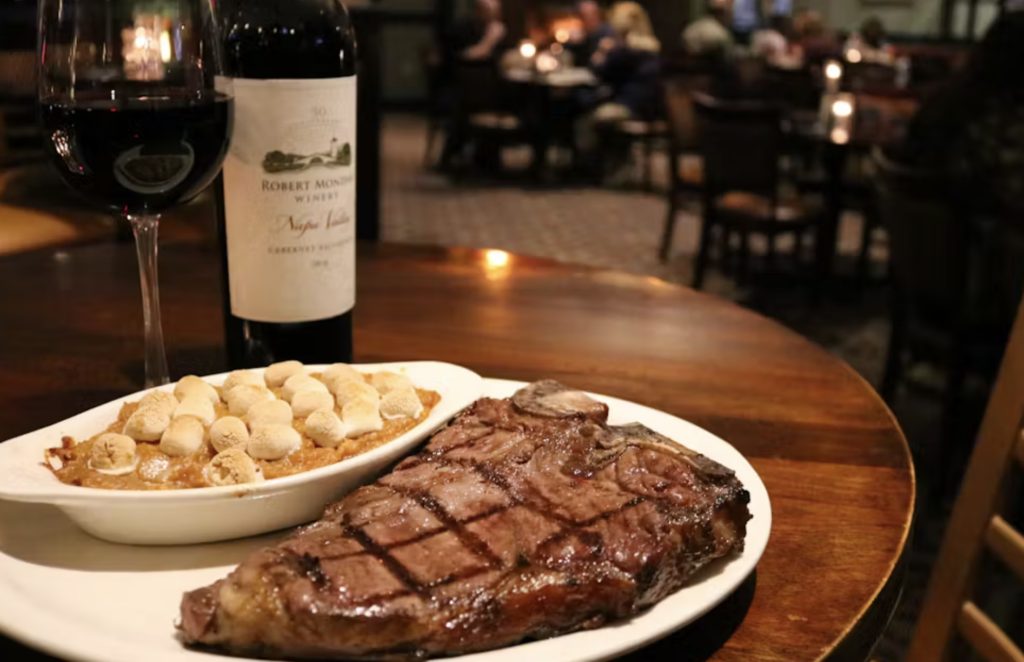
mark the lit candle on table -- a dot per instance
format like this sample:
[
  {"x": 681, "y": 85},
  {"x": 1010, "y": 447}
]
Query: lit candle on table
[
  {"x": 841, "y": 118},
  {"x": 833, "y": 74}
]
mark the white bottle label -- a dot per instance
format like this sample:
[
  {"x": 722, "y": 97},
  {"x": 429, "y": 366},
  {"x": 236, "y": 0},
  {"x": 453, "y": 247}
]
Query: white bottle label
[{"x": 289, "y": 199}]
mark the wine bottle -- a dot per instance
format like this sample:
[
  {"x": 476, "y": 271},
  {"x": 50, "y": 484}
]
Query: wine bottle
[{"x": 286, "y": 197}]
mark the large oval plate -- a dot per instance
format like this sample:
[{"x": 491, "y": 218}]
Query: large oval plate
[{"x": 88, "y": 601}]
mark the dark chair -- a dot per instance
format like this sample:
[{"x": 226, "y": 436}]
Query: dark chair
[
  {"x": 869, "y": 76},
  {"x": 438, "y": 101},
  {"x": 645, "y": 134},
  {"x": 682, "y": 138},
  {"x": 483, "y": 114},
  {"x": 956, "y": 280},
  {"x": 794, "y": 89},
  {"x": 741, "y": 144}
]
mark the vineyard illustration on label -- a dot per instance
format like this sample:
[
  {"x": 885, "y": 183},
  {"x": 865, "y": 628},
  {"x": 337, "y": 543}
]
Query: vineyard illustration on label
[{"x": 334, "y": 157}]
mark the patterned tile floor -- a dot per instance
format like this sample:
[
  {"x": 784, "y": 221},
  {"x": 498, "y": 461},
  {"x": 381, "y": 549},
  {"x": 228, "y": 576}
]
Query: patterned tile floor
[{"x": 621, "y": 230}]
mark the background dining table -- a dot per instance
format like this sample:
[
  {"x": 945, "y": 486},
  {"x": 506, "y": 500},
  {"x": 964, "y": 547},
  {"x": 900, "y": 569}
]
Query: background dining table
[{"x": 833, "y": 458}]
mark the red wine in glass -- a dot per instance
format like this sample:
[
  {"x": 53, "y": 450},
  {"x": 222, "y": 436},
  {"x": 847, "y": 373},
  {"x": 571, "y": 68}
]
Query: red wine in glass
[
  {"x": 138, "y": 156},
  {"x": 135, "y": 116}
]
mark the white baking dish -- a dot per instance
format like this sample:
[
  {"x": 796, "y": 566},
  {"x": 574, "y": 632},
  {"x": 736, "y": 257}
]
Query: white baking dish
[{"x": 209, "y": 514}]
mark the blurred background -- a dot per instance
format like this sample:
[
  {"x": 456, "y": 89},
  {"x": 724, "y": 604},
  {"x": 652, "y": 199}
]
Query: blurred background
[{"x": 851, "y": 168}]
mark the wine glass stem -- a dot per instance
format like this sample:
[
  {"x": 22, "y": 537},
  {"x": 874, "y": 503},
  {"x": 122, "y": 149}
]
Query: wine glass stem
[{"x": 145, "y": 229}]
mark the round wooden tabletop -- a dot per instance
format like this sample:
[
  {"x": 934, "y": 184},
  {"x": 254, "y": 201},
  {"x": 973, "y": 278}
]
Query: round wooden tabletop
[{"x": 832, "y": 456}]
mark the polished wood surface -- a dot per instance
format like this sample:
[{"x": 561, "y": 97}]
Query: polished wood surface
[{"x": 833, "y": 458}]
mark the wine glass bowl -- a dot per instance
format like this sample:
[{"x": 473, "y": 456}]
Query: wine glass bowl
[{"x": 135, "y": 116}]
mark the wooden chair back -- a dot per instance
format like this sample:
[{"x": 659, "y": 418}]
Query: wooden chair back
[
  {"x": 740, "y": 143},
  {"x": 930, "y": 237},
  {"x": 978, "y": 525},
  {"x": 679, "y": 110},
  {"x": 796, "y": 89},
  {"x": 881, "y": 119}
]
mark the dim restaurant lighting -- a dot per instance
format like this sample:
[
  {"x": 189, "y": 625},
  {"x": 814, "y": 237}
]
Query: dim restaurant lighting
[
  {"x": 546, "y": 63},
  {"x": 853, "y": 55},
  {"x": 842, "y": 108},
  {"x": 561, "y": 35},
  {"x": 165, "y": 46},
  {"x": 556, "y": 49},
  {"x": 496, "y": 258},
  {"x": 833, "y": 70},
  {"x": 840, "y": 136},
  {"x": 527, "y": 49}
]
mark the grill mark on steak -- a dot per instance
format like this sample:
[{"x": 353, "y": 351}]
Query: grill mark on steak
[
  {"x": 466, "y": 537},
  {"x": 381, "y": 553},
  {"x": 511, "y": 545}
]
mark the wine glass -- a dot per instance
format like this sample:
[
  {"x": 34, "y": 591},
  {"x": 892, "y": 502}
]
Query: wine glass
[{"x": 134, "y": 116}]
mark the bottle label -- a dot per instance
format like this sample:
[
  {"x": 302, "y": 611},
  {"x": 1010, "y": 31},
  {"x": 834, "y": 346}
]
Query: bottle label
[{"x": 289, "y": 199}]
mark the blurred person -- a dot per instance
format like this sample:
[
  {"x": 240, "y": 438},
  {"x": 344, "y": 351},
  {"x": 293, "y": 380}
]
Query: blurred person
[
  {"x": 812, "y": 41},
  {"x": 973, "y": 126},
  {"x": 594, "y": 30},
  {"x": 479, "y": 40},
  {"x": 481, "y": 36},
  {"x": 709, "y": 36},
  {"x": 627, "y": 65},
  {"x": 772, "y": 43},
  {"x": 746, "y": 20},
  {"x": 869, "y": 42}
]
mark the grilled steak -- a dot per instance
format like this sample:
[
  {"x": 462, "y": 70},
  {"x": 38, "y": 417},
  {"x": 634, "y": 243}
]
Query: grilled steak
[{"x": 525, "y": 518}]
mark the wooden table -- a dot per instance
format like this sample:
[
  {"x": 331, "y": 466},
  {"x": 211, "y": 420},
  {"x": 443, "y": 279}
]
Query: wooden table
[
  {"x": 833, "y": 458},
  {"x": 550, "y": 107}
]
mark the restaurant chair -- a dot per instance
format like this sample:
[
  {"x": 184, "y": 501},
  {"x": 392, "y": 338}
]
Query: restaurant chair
[
  {"x": 438, "y": 105},
  {"x": 869, "y": 76},
  {"x": 795, "y": 89},
  {"x": 950, "y": 305},
  {"x": 645, "y": 134},
  {"x": 482, "y": 113},
  {"x": 686, "y": 177},
  {"x": 980, "y": 529},
  {"x": 741, "y": 144}
]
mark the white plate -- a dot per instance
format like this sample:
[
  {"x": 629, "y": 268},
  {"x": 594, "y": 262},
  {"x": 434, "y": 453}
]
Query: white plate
[
  {"x": 88, "y": 601},
  {"x": 211, "y": 514}
]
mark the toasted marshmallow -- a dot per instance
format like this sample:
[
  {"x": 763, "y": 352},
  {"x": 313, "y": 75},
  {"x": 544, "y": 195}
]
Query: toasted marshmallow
[
  {"x": 241, "y": 398},
  {"x": 193, "y": 386},
  {"x": 229, "y": 432},
  {"x": 159, "y": 400},
  {"x": 273, "y": 442},
  {"x": 350, "y": 391},
  {"x": 112, "y": 454},
  {"x": 401, "y": 403},
  {"x": 325, "y": 428},
  {"x": 361, "y": 415},
  {"x": 183, "y": 437},
  {"x": 341, "y": 371},
  {"x": 146, "y": 425},
  {"x": 239, "y": 377},
  {"x": 306, "y": 402},
  {"x": 297, "y": 383},
  {"x": 271, "y": 412},
  {"x": 278, "y": 373},
  {"x": 196, "y": 406},
  {"x": 231, "y": 467},
  {"x": 389, "y": 381}
]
